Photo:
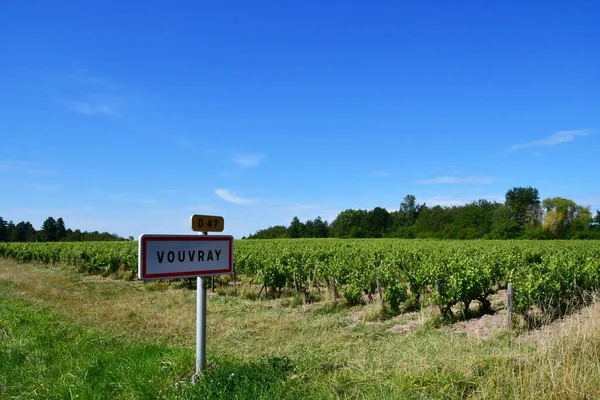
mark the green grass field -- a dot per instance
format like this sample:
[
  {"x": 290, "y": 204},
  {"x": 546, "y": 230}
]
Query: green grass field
[{"x": 67, "y": 335}]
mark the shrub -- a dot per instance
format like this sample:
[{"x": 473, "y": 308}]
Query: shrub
[{"x": 394, "y": 295}]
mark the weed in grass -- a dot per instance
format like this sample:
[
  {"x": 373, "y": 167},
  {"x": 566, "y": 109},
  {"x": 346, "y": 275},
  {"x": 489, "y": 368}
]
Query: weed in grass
[
  {"x": 328, "y": 308},
  {"x": 431, "y": 320},
  {"x": 129, "y": 275},
  {"x": 123, "y": 273},
  {"x": 292, "y": 302},
  {"x": 266, "y": 378},
  {"x": 411, "y": 304},
  {"x": 374, "y": 312},
  {"x": 446, "y": 384},
  {"x": 157, "y": 286},
  {"x": 248, "y": 292},
  {"x": 226, "y": 290}
]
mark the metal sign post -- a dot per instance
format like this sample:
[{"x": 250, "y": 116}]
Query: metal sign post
[
  {"x": 200, "y": 324},
  {"x": 202, "y": 224},
  {"x": 188, "y": 256}
]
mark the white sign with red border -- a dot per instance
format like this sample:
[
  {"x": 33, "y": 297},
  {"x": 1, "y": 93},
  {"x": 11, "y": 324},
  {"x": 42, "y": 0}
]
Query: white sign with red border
[{"x": 184, "y": 256}]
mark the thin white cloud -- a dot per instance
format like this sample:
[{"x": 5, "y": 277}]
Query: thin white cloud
[
  {"x": 248, "y": 160},
  {"x": 198, "y": 208},
  {"x": 24, "y": 168},
  {"x": 89, "y": 94},
  {"x": 302, "y": 207},
  {"x": 171, "y": 191},
  {"x": 282, "y": 212},
  {"x": 12, "y": 166},
  {"x": 444, "y": 202},
  {"x": 182, "y": 142},
  {"x": 381, "y": 173},
  {"x": 86, "y": 108},
  {"x": 474, "y": 179},
  {"x": 460, "y": 201},
  {"x": 125, "y": 198},
  {"x": 84, "y": 77},
  {"x": 553, "y": 140},
  {"x": 228, "y": 196}
]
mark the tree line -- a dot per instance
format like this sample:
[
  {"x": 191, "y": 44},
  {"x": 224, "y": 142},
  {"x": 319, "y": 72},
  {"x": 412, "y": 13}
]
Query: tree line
[
  {"x": 52, "y": 230},
  {"x": 521, "y": 216}
]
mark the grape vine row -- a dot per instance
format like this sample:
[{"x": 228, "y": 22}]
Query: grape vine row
[{"x": 545, "y": 274}]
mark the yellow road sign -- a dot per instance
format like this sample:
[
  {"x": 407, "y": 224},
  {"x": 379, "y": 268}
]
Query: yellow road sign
[{"x": 207, "y": 223}]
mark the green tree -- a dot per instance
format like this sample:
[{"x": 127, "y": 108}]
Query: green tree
[
  {"x": 320, "y": 228},
  {"x": 309, "y": 229},
  {"x": 23, "y": 232},
  {"x": 49, "y": 229},
  {"x": 523, "y": 206},
  {"x": 10, "y": 228},
  {"x": 473, "y": 220},
  {"x": 61, "y": 230},
  {"x": 595, "y": 225},
  {"x": 75, "y": 236},
  {"x": 503, "y": 226},
  {"x": 376, "y": 222},
  {"x": 272, "y": 232},
  {"x": 347, "y": 224},
  {"x": 296, "y": 228},
  {"x": 356, "y": 232},
  {"x": 565, "y": 216},
  {"x": 4, "y": 234},
  {"x": 409, "y": 210},
  {"x": 434, "y": 222}
]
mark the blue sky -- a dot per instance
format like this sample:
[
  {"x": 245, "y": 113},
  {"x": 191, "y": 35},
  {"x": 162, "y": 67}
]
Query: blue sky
[{"x": 129, "y": 117}]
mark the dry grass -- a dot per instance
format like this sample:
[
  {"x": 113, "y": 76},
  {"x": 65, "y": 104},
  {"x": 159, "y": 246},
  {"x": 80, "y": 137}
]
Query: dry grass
[
  {"x": 151, "y": 311},
  {"x": 343, "y": 352},
  {"x": 105, "y": 303},
  {"x": 564, "y": 365}
]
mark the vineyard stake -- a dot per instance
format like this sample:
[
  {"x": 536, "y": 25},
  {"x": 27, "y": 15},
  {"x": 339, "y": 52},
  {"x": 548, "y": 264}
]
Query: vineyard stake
[
  {"x": 334, "y": 287},
  {"x": 264, "y": 285},
  {"x": 295, "y": 285},
  {"x": 437, "y": 288},
  {"x": 509, "y": 305}
]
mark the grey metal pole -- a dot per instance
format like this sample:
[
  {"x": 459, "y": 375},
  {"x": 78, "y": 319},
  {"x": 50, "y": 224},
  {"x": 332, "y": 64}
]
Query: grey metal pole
[
  {"x": 200, "y": 326},
  {"x": 200, "y": 323}
]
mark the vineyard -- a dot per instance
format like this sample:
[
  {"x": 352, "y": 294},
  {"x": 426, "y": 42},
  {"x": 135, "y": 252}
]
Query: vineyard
[{"x": 545, "y": 275}]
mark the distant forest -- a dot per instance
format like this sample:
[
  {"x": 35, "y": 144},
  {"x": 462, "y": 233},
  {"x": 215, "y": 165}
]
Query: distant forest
[
  {"x": 521, "y": 216},
  {"x": 52, "y": 230}
]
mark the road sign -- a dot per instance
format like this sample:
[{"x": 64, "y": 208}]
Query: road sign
[
  {"x": 207, "y": 223},
  {"x": 184, "y": 256}
]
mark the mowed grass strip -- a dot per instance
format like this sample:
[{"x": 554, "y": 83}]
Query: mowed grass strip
[
  {"x": 129, "y": 333},
  {"x": 43, "y": 357}
]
